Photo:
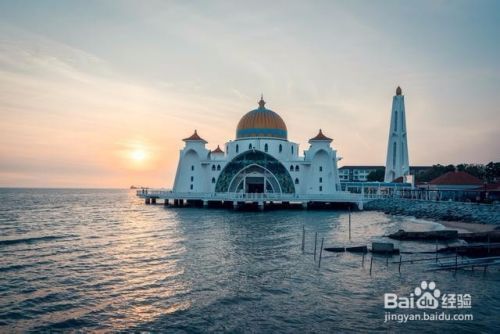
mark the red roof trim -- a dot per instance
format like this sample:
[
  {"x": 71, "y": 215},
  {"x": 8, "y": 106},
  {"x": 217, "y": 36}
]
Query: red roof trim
[
  {"x": 194, "y": 137},
  {"x": 321, "y": 137},
  {"x": 218, "y": 150}
]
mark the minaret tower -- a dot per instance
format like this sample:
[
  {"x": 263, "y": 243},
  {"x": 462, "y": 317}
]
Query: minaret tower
[{"x": 397, "y": 164}]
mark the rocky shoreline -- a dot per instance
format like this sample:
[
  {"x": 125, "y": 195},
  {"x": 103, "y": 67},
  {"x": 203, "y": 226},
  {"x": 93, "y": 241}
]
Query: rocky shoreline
[{"x": 444, "y": 211}]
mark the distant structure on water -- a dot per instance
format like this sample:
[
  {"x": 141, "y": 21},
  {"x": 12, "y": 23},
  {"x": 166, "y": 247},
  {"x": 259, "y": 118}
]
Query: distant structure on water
[{"x": 397, "y": 164}]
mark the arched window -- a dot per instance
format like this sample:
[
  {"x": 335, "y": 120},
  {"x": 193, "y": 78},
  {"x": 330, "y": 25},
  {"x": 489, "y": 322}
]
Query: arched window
[
  {"x": 292, "y": 149},
  {"x": 237, "y": 148},
  {"x": 296, "y": 181},
  {"x": 192, "y": 167},
  {"x": 291, "y": 168},
  {"x": 250, "y": 146},
  {"x": 320, "y": 188},
  {"x": 192, "y": 178},
  {"x": 394, "y": 155},
  {"x": 320, "y": 180},
  {"x": 191, "y": 187},
  {"x": 213, "y": 167},
  {"x": 297, "y": 168},
  {"x": 320, "y": 168},
  {"x": 213, "y": 180},
  {"x": 281, "y": 148},
  {"x": 218, "y": 167},
  {"x": 266, "y": 148}
]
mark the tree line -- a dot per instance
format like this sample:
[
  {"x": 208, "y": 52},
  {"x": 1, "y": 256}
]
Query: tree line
[{"x": 489, "y": 172}]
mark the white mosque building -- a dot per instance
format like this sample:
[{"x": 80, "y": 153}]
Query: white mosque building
[{"x": 261, "y": 165}]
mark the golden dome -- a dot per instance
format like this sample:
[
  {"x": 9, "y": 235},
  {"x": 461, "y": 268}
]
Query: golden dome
[{"x": 261, "y": 122}]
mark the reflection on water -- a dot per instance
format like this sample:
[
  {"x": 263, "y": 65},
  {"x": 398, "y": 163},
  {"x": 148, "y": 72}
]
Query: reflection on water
[{"x": 101, "y": 260}]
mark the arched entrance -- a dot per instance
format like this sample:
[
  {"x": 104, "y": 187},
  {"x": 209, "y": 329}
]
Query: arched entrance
[
  {"x": 255, "y": 172},
  {"x": 254, "y": 179}
]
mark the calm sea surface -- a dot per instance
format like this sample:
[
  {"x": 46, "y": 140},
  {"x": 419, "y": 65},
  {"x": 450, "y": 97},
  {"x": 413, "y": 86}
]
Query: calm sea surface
[{"x": 102, "y": 260}]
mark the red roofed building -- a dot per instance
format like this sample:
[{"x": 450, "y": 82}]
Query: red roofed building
[{"x": 455, "y": 180}]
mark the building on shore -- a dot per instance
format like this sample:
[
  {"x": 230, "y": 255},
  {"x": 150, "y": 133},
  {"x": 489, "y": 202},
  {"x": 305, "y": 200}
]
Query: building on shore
[
  {"x": 359, "y": 173},
  {"x": 397, "y": 163},
  {"x": 455, "y": 185},
  {"x": 455, "y": 180}
]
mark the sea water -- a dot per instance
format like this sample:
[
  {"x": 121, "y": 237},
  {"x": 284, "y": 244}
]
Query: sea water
[{"x": 90, "y": 260}]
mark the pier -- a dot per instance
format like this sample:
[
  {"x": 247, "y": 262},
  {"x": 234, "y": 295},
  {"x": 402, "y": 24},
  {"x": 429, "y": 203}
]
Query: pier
[{"x": 258, "y": 200}]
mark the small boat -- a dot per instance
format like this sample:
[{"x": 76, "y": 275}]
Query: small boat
[
  {"x": 357, "y": 249},
  {"x": 335, "y": 249},
  {"x": 352, "y": 249}
]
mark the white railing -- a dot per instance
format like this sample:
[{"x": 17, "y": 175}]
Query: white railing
[{"x": 338, "y": 196}]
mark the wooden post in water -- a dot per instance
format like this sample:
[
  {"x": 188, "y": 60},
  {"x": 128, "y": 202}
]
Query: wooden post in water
[
  {"x": 400, "y": 260},
  {"x": 436, "y": 250},
  {"x": 349, "y": 222},
  {"x": 315, "y": 243},
  {"x": 321, "y": 252},
  {"x": 303, "y": 238},
  {"x": 363, "y": 260},
  {"x": 371, "y": 264}
]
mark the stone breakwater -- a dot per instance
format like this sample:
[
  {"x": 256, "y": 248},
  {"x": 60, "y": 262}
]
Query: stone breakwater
[{"x": 448, "y": 211}]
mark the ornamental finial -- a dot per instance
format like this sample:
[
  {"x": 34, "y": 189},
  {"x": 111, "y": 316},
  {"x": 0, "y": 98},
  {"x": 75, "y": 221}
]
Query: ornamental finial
[
  {"x": 262, "y": 103},
  {"x": 398, "y": 91}
]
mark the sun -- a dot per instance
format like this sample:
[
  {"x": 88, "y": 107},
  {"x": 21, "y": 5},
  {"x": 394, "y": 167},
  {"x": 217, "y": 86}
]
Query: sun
[{"x": 138, "y": 155}]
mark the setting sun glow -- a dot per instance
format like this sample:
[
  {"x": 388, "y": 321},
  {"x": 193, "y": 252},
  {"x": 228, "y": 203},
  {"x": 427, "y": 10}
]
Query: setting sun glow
[{"x": 138, "y": 155}]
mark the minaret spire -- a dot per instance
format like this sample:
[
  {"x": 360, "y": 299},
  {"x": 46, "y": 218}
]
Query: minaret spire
[{"x": 397, "y": 163}]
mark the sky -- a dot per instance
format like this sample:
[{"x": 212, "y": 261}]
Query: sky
[{"x": 101, "y": 93}]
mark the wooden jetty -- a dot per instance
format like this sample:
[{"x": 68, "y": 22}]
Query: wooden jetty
[
  {"x": 474, "y": 250},
  {"x": 427, "y": 235},
  {"x": 484, "y": 262},
  {"x": 492, "y": 236}
]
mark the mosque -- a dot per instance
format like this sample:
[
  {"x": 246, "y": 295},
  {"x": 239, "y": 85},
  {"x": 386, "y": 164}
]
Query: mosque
[
  {"x": 259, "y": 160},
  {"x": 260, "y": 165}
]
